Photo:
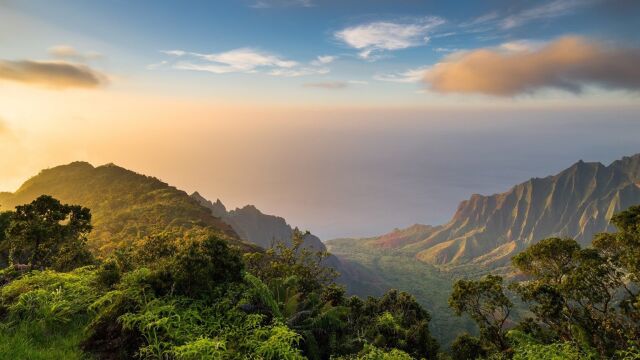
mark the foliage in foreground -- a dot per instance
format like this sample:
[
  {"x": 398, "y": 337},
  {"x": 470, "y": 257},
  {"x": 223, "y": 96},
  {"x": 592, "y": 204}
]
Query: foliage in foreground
[
  {"x": 584, "y": 302},
  {"x": 171, "y": 297},
  {"x": 195, "y": 297}
]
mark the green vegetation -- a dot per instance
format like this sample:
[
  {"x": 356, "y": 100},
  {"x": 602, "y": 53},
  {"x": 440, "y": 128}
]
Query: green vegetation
[
  {"x": 583, "y": 303},
  {"x": 193, "y": 295},
  {"x": 403, "y": 271},
  {"x": 189, "y": 297},
  {"x": 126, "y": 206}
]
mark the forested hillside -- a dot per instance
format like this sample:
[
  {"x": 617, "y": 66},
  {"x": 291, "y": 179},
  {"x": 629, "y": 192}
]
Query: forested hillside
[{"x": 126, "y": 206}]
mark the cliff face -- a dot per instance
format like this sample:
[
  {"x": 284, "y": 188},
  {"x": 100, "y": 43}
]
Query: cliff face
[{"x": 488, "y": 230}]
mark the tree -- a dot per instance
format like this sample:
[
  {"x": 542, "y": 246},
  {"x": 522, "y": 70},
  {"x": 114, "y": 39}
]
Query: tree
[
  {"x": 282, "y": 261},
  {"x": 202, "y": 265},
  {"x": 395, "y": 320},
  {"x": 622, "y": 249},
  {"x": 49, "y": 234},
  {"x": 5, "y": 220},
  {"x": 549, "y": 260},
  {"x": 575, "y": 292},
  {"x": 484, "y": 300},
  {"x": 467, "y": 347}
]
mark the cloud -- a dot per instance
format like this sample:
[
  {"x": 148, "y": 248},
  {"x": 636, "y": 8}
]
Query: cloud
[
  {"x": 502, "y": 21},
  {"x": 409, "y": 76},
  {"x": 358, "y": 82},
  {"x": 265, "y": 4},
  {"x": 157, "y": 65},
  {"x": 69, "y": 52},
  {"x": 382, "y": 36},
  {"x": 548, "y": 10},
  {"x": 52, "y": 74},
  {"x": 304, "y": 71},
  {"x": 569, "y": 63},
  {"x": 242, "y": 60},
  {"x": 323, "y": 60},
  {"x": 331, "y": 85},
  {"x": 174, "y": 52}
]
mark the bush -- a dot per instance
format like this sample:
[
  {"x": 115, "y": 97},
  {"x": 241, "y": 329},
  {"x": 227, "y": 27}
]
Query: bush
[
  {"x": 526, "y": 348},
  {"x": 49, "y": 297},
  {"x": 200, "y": 266}
]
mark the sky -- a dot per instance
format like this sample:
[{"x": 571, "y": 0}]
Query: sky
[{"x": 348, "y": 118}]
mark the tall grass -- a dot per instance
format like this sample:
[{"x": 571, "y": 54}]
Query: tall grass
[{"x": 28, "y": 341}]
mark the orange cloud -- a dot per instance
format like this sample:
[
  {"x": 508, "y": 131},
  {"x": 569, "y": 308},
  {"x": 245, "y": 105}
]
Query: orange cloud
[
  {"x": 53, "y": 74},
  {"x": 568, "y": 63}
]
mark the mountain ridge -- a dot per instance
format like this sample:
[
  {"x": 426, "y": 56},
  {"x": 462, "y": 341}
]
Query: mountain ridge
[
  {"x": 125, "y": 205},
  {"x": 486, "y": 230}
]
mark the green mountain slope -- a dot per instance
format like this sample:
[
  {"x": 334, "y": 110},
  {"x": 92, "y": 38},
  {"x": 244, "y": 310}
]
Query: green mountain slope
[{"x": 125, "y": 205}]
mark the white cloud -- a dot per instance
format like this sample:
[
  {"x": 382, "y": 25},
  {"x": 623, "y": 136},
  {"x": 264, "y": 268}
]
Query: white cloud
[
  {"x": 157, "y": 65},
  {"x": 545, "y": 11},
  {"x": 174, "y": 52},
  {"x": 358, "y": 82},
  {"x": 409, "y": 76},
  {"x": 323, "y": 60},
  {"x": 446, "y": 49},
  {"x": 483, "y": 19},
  {"x": 304, "y": 71},
  {"x": 382, "y": 35},
  {"x": 245, "y": 60}
]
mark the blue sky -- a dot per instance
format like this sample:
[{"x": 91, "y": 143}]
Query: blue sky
[{"x": 351, "y": 45}]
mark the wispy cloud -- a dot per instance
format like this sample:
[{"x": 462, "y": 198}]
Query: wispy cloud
[
  {"x": 302, "y": 71},
  {"x": 568, "y": 63},
  {"x": 324, "y": 60},
  {"x": 548, "y": 10},
  {"x": 331, "y": 85},
  {"x": 482, "y": 19},
  {"x": 498, "y": 22},
  {"x": 157, "y": 65},
  {"x": 52, "y": 74},
  {"x": 387, "y": 36},
  {"x": 408, "y": 76},
  {"x": 70, "y": 53},
  {"x": 265, "y": 4},
  {"x": 242, "y": 60}
]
